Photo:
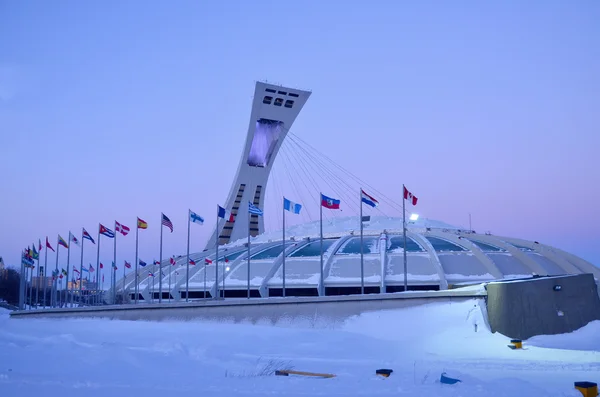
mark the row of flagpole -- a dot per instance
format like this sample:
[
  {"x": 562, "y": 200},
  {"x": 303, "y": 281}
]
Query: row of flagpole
[{"x": 222, "y": 213}]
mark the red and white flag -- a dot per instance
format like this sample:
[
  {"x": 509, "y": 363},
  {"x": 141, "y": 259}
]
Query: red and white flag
[
  {"x": 410, "y": 197},
  {"x": 172, "y": 260},
  {"x": 207, "y": 261},
  {"x": 127, "y": 265},
  {"x": 124, "y": 230}
]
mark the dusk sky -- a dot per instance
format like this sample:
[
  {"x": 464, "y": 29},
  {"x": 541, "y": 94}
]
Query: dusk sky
[{"x": 112, "y": 110}]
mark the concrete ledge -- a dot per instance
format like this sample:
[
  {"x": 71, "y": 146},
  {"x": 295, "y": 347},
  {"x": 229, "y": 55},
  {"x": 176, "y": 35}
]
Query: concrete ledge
[{"x": 329, "y": 308}]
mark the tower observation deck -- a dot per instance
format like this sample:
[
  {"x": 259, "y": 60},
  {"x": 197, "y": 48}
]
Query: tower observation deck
[{"x": 274, "y": 110}]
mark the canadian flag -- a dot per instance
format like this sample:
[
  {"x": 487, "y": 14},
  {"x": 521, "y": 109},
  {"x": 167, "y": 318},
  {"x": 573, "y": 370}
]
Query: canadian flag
[
  {"x": 409, "y": 196},
  {"x": 124, "y": 230}
]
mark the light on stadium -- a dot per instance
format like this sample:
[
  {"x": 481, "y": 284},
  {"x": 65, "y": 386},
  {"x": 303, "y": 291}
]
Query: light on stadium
[
  {"x": 414, "y": 217},
  {"x": 227, "y": 269}
]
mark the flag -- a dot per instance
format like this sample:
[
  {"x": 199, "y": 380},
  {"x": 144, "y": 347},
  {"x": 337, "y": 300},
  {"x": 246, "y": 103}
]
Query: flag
[
  {"x": 92, "y": 268},
  {"x": 76, "y": 271},
  {"x": 368, "y": 200},
  {"x": 39, "y": 245},
  {"x": 291, "y": 206},
  {"x": 226, "y": 260},
  {"x": 172, "y": 261},
  {"x": 85, "y": 269},
  {"x": 61, "y": 241},
  {"x": 142, "y": 224},
  {"x": 142, "y": 263},
  {"x": 222, "y": 213},
  {"x": 114, "y": 265},
  {"x": 409, "y": 196},
  {"x": 48, "y": 245},
  {"x": 87, "y": 236},
  {"x": 64, "y": 272},
  {"x": 103, "y": 278},
  {"x": 101, "y": 265},
  {"x": 331, "y": 203},
  {"x": 150, "y": 274},
  {"x": 157, "y": 263},
  {"x": 124, "y": 230},
  {"x": 73, "y": 239},
  {"x": 254, "y": 210},
  {"x": 27, "y": 261},
  {"x": 128, "y": 265},
  {"x": 35, "y": 254},
  {"x": 166, "y": 222},
  {"x": 192, "y": 262},
  {"x": 60, "y": 276},
  {"x": 106, "y": 232},
  {"x": 196, "y": 218},
  {"x": 207, "y": 261}
]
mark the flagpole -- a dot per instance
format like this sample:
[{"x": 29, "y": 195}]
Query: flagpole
[
  {"x": 362, "y": 259},
  {"x": 217, "y": 295},
  {"x": 160, "y": 264},
  {"x": 68, "y": 268},
  {"x": 25, "y": 268},
  {"x": 248, "y": 254},
  {"x": 187, "y": 269},
  {"x": 283, "y": 251},
  {"x": 97, "y": 300},
  {"x": 115, "y": 271},
  {"x": 55, "y": 283},
  {"x": 205, "y": 269},
  {"x": 37, "y": 287},
  {"x": 113, "y": 278},
  {"x": 404, "y": 236},
  {"x": 45, "y": 271},
  {"x": 31, "y": 286},
  {"x": 81, "y": 268},
  {"x": 22, "y": 282},
  {"x": 321, "y": 286},
  {"x": 137, "y": 230}
]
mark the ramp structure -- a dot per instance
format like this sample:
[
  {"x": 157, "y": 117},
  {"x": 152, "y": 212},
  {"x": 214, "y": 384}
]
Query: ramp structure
[{"x": 274, "y": 110}]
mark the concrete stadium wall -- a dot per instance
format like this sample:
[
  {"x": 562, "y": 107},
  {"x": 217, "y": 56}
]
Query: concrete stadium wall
[
  {"x": 315, "y": 311},
  {"x": 522, "y": 309}
]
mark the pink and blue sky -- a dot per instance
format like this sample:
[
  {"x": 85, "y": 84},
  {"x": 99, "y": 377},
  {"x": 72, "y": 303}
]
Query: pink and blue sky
[{"x": 112, "y": 110}]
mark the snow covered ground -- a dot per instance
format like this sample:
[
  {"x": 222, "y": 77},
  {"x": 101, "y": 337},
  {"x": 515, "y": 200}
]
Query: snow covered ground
[{"x": 123, "y": 358}]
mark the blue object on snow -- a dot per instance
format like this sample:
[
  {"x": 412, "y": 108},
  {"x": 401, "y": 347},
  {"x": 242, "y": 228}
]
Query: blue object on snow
[{"x": 447, "y": 380}]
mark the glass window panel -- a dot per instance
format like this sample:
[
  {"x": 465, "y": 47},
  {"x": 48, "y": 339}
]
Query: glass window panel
[
  {"x": 441, "y": 245},
  {"x": 314, "y": 248},
  {"x": 396, "y": 243},
  {"x": 486, "y": 247}
]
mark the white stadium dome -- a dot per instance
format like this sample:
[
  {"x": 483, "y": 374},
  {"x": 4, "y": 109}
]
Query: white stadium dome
[{"x": 439, "y": 256}]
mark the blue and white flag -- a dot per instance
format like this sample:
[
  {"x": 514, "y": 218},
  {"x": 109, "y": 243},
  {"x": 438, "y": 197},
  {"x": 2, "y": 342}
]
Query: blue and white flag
[
  {"x": 291, "y": 206},
  {"x": 196, "y": 218},
  {"x": 254, "y": 210},
  {"x": 85, "y": 269}
]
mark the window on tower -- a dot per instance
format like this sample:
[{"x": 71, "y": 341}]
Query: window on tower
[{"x": 266, "y": 137}]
